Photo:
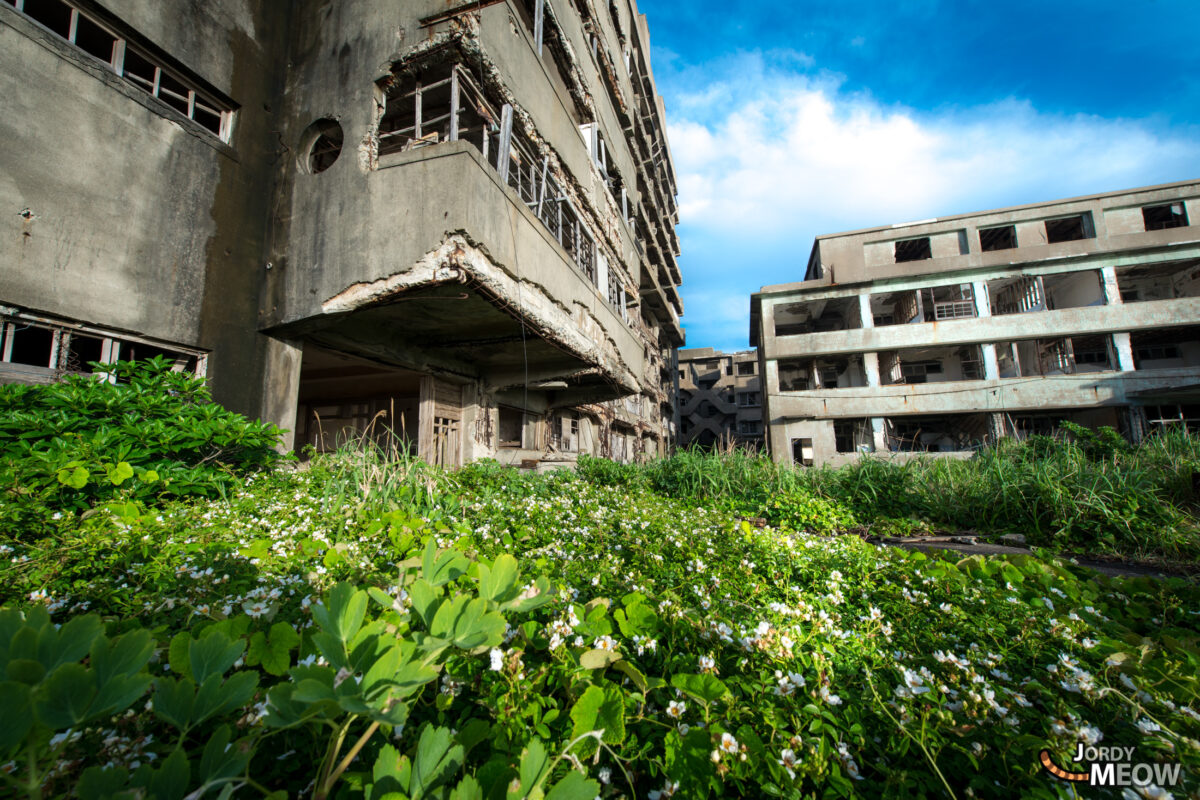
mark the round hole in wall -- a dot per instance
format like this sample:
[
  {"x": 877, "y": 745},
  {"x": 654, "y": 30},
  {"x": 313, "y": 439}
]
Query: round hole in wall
[{"x": 321, "y": 146}]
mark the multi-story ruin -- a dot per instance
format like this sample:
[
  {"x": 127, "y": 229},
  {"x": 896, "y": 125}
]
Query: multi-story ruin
[
  {"x": 452, "y": 220},
  {"x": 939, "y": 335},
  {"x": 720, "y": 401}
]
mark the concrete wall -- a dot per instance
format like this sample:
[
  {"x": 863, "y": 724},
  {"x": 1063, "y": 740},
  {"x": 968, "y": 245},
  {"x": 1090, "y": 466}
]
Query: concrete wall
[{"x": 138, "y": 219}]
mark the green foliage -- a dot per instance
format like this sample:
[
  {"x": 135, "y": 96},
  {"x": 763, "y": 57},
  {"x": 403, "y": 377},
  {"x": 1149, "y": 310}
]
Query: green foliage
[{"x": 149, "y": 434}]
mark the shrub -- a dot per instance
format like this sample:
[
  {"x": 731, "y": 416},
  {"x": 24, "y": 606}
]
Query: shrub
[{"x": 150, "y": 433}]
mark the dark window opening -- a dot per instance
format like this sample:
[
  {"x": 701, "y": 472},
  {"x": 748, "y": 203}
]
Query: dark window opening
[
  {"x": 510, "y": 427},
  {"x": 139, "y": 71},
  {"x": 173, "y": 93},
  {"x": 54, "y": 14},
  {"x": 802, "y": 452},
  {"x": 746, "y": 367},
  {"x": 31, "y": 346},
  {"x": 1003, "y": 238},
  {"x": 84, "y": 350},
  {"x": 91, "y": 38},
  {"x": 913, "y": 250},
  {"x": 1068, "y": 229},
  {"x": 326, "y": 137},
  {"x": 1171, "y": 215}
]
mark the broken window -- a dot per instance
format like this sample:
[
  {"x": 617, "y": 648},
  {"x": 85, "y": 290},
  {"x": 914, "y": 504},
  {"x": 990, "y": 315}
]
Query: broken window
[
  {"x": 90, "y": 36},
  {"x": 1001, "y": 238},
  {"x": 853, "y": 435},
  {"x": 913, "y": 250},
  {"x": 746, "y": 367},
  {"x": 802, "y": 452},
  {"x": 947, "y": 433},
  {"x": 325, "y": 137},
  {"x": 749, "y": 427},
  {"x": 1069, "y": 229},
  {"x": 1046, "y": 292},
  {"x": 29, "y": 344},
  {"x": 931, "y": 365},
  {"x": 511, "y": 422},
  {"x": 1185, "y": 417},
  {"x": 947, "y": 302},
  {"x": 817, "y": 316},
  {"x": 422, "y": 108},
  {"x": 1159, "y": 281},
  {"x": 1170, "y": 215},
  {"x": 748, "y": 399}
]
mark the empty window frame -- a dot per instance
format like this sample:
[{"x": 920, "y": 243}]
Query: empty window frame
[
  {"x": 747, "y": 367},
  {"x": 45, "y": 344},
  {"x": 1003, "y": 237},
  {"x": 1161, "y": 217},
  {"x": 802, "y": 452},
  {"x": 748, "y": 399},
  {"x": 749, "y": 427},
  {"x": 132, "y": 63},
  {"x": 511, "y": 422},
  {"x": 913, "y": 250},
  {"x": 1069, "y": 229}
]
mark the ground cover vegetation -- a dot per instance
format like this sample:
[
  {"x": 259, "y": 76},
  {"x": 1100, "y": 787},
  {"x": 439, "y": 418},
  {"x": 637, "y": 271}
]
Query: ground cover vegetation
[{"x": 373, "y": 627}]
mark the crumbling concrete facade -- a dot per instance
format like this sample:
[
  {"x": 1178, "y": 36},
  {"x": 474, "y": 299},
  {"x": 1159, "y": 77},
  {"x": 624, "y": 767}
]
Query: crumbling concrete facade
[
  {"x": 454, "y": 221},
  {"x": 720, "y": 399},
  {"x": 941, "y": 335}
]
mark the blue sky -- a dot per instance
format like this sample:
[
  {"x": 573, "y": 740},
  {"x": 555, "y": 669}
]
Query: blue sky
[{"x": 791, "y": 120}]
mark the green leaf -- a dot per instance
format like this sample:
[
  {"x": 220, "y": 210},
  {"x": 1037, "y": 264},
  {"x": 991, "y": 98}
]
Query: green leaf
[
  {"x": 17, "y": 701},
  {"x": 70, "y": 642},
  {"x": 178, "y": 654},
  {"x": 221, "y": 759},
  {"x": 98, "y": 783},
  {"x": 436, "y": 761},
  {"x": 217, "y": 697},
  {"x": 118, "y": 473},
  {"x": 499, "y": 583},
  {"x": 26, "y": 670},
  {"x": 124, "y": 655},
  {"x": 425, "y": 599},
  {"x": 574, "y": 786},
  {"x": 439, "y": 568},
  {"x": 63, "y": 699},
  {"x": 468, "y": 789},
  {"x": 273, "y": 652},
  {"x": 705, "y": 688},
  {"x": 213, "y": 655},
  {"x": 535, "y": 764},
  {"x": 391, "y": 773},
  {"x": 598, "y": 709},
  {"x": 598, "y": 659},
  {"x": 174, "y": 700},
  {"x": 342, "y": 611},
  {"x": 76, "y": 478},
  {"x": 634, "y": 674}
]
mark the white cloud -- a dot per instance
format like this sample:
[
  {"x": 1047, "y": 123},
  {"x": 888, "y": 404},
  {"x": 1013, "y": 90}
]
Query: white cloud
[{"x": 777, "y": 152}]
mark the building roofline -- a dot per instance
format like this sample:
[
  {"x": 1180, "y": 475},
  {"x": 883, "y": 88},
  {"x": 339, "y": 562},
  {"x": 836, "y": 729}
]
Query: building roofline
[{"x": 1006, "y": 209}]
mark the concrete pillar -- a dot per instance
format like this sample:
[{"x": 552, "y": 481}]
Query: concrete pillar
[
  {"x": 864, "y": 312},
  {"x": 1124, "y": 350},
  {"x": 1112, "y": 292},
  {"x": 879, "y": 434},
  {"x": 991, "y": 366},
  {"x": 871, "y": 368},
  {"x": 983, "y": 303},
  {"x": 997, "y": 426},
  {"x": 281, "y": 387}
]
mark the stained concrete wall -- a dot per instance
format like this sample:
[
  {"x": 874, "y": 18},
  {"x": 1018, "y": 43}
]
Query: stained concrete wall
[{"x": 140, "y": 220}]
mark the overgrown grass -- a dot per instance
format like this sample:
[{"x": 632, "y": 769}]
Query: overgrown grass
[{"x": 1083, "y": 494}]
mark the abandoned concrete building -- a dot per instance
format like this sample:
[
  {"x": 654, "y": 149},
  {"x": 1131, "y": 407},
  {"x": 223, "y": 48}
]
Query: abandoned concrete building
[
  {"x": 940, "y": 335},
  {"x": 720, "y": 403},
  {"x": 454, "y": 220}
]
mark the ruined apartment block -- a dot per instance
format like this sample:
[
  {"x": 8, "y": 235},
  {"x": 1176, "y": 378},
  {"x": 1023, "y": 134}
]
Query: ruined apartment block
[
  {"x": 938, "y": 336},
  {"x": 720, "y": 401},
  {"x": 453, "y": 223}
]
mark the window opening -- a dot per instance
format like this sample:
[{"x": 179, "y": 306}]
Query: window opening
[
  {"x": 913, "y": 250},
  {"x": 325, "y": 145},
  {"x": 1170, "y": 215},
  {"x": 802, "y": 452},
  {"x": 1002, "y": 238},
  {"x": 511, "y": 422},
  {"x": 1069, "y": 229},
  {"x": 746, "y": 367}
]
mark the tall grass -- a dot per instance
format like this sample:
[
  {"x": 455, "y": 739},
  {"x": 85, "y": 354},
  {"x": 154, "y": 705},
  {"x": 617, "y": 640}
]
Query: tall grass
[{"x": 1087, "y": 493}]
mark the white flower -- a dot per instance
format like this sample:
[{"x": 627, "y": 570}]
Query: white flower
[
  {"x": 707, "y": 663},
  {"x": 668, "y": 790},
  {"x": 787, "y": 760},
  {"x": 604, "y": 643},
  {"x": 497, "y": 657},
  {"x": 605, "y": 775},
  {"x": 676, "y": 709},
  {"x": 832, "y": 699},
  {"x": 728, "y": 743},
  {"x": 1147, "y": 726}
]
